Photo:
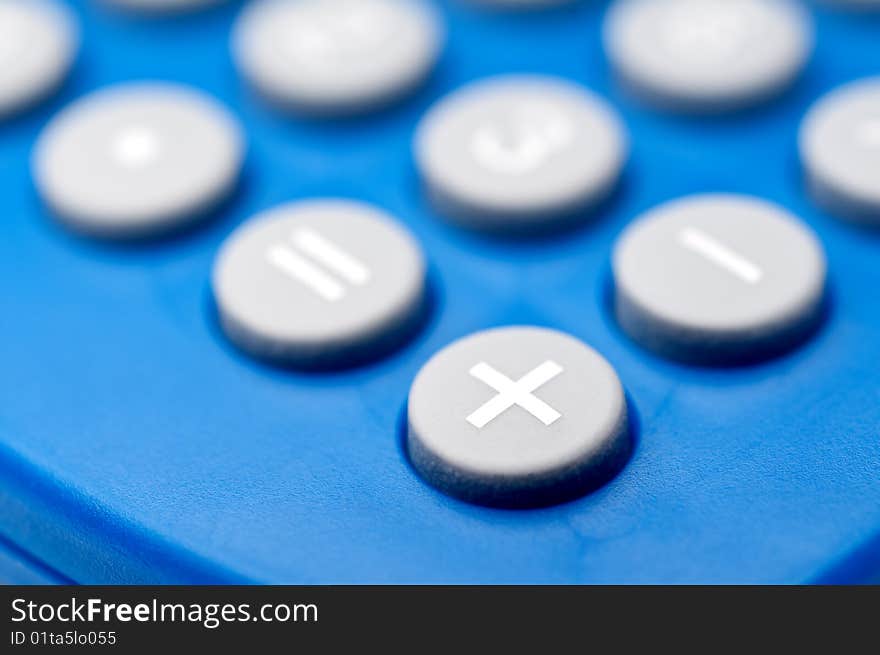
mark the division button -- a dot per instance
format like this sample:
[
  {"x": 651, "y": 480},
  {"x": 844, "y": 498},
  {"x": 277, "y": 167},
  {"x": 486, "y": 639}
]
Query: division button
[
  {"x": 840, "y": 151},
  {"x": 138, "y": 160},
  {"x": 520, "y": 154},
  {"x": 707, "y": 55},
  {"x": 517, "y": 417},
  {"x": 320, "y": 284},
  {"x": 336, "y": 56},
  {"x": 718, "y": 279},
  {"x": 38, "y": 43}
]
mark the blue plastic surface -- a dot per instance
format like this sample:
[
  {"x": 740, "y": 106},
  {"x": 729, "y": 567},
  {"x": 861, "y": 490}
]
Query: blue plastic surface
[
  {"x": 137, "y": 446},
  {"x": 18, "y": 568}
]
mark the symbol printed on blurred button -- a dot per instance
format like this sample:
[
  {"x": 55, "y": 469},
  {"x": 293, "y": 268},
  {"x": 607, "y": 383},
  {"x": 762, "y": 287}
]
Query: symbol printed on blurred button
[
  {"x": 343, "y": 30},
  {"x": 510, "y": 393},
  {"x": 716, "y": 252},
  {"x": 136, "y": 146},
  {"x": 524, "y": 141},
  {"x": 714, "y": 30},
  {"x": 325, "y": 252}
]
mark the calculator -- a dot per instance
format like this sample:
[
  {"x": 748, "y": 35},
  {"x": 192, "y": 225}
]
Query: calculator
[{"x": 439, "y": 292}]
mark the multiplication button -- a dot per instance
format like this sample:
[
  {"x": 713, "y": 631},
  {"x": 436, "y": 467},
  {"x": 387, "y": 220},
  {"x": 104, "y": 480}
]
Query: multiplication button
[
  {"x": 517, "y": 417},
  {"x": 38, "y": 42},
  {"x": 138, "y": 160},
  {"x": 840, "y": 150},
  {"x": 707, "y": 55},
  {"x": 322, "y": 283},
  {"x": 718, "y": 279},
  {"x": 518, "y": 154},
  {"x": 336, "y": 56}
]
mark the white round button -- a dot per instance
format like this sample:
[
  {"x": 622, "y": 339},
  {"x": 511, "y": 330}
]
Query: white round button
[
  {"x": 707, "y": 55},
  {"x": 138, "y": 160},
  {"x": 38, "y": 43},
  {"x": 321, "y": 283},
  {"x": 163, "y": 5},
  {"x": 718, "y": 279},
  {"x": 857, "y": 5},
  {"x": 840, "y": 150},
  {"x": 520, "y": 153},
  {"x": 336, "y": 56},
  {"x": 517, "y": 417},
  {"x": 522, "y": 4}
]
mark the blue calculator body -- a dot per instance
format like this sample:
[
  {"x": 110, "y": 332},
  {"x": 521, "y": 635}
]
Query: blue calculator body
[{"x": 138, "y": 446}]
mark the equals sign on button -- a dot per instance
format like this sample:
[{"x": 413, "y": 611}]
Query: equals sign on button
[{"x": 318, "y": 263}]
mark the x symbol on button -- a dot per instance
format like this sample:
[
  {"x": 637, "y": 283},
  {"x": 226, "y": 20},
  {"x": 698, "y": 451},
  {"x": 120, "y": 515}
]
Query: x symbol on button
[{"x": 512, "y": 393}]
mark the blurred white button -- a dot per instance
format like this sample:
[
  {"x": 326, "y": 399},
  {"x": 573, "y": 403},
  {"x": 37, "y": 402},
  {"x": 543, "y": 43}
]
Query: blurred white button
[
  {"x": 858, "y": 5},
  {"x": 336, "y": 56},
  {"x": 38, "y": 43},
  {"x": 138, "y": 160},
  {"x": 522, "y": 4},
  {"x": 520, "y": 153},
  {"x": 163, "y": 5},
  {"x": 840, "y": 150},
  {"x": 707, "y": 55}
]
